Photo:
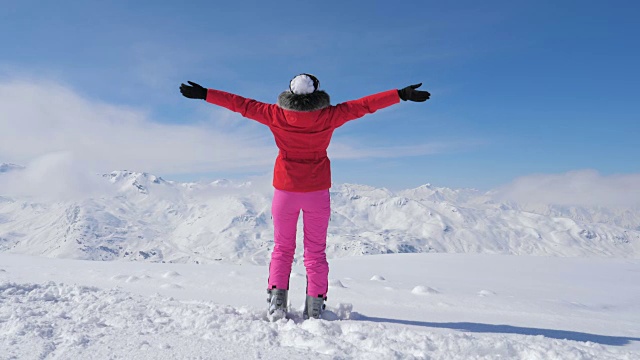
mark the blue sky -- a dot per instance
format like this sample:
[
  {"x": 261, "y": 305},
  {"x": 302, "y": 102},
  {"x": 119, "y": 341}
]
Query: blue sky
[{"x": 518, "y": 87}]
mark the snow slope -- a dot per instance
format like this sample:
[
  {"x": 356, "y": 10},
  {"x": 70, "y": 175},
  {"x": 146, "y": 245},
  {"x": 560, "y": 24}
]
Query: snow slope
[
  {"x": 144, "y": 217},
  {"x": 398, "y": 306}
]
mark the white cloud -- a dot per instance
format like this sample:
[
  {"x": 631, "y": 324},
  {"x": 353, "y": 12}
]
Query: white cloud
[
  {"x": 582, "y": 188},
  {"x": 42, "y": 118},
  {"x": 55, "y": 176}
]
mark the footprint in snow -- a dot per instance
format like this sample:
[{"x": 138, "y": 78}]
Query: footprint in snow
[
  {"x": 424, "y": 290},
  {"x": 131, "y": 279},
  {"x": 336, "y": 284},
  {"x": 377, "y": 278}
]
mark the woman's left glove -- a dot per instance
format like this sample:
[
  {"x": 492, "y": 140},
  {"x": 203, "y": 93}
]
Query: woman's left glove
[
  {"x": 194, "y": 91},
  {"x": 410, "y": 93}
]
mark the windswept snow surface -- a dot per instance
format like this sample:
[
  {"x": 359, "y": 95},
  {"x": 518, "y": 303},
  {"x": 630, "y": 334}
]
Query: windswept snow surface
[
  {"x": 144, "y": 217},
  {"x": 466, "y": 307}
]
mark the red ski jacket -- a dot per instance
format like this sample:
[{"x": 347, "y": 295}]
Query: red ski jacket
[{"x": 302, "y": 136}]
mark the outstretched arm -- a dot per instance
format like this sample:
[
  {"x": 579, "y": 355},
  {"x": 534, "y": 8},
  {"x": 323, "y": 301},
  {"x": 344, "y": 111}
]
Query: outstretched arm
[
  {"x": 249, "y": 108},
  {"x": 355, "y": 109}
]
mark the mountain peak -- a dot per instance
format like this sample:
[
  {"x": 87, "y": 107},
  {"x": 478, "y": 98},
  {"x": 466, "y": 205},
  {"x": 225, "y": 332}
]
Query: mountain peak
[
  {"x": 140, "y": 180},
  {"x": 6, "y": 167}
]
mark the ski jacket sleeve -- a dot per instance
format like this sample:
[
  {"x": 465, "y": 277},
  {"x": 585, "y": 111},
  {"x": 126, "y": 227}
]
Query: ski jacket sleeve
[
  {"x": 355, "y": 109},
  {"x": 249, "y": 108}
]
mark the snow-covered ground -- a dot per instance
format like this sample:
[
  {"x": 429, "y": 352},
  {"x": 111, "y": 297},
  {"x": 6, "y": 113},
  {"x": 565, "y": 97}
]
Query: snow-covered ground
[{"x": 396, "y": 306}]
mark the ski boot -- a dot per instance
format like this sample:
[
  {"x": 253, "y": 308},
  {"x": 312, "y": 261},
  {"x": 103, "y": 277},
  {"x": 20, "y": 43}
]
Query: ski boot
[
  {"x": 314, "y": 306},
  {"x": 277, "y": 304}
]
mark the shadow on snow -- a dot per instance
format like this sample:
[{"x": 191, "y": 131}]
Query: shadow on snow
[{"x": 508, "y": 329}]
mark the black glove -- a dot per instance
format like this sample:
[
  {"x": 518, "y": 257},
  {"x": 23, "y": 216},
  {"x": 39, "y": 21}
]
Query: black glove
[
  {"x": 194, "y": 91},
  {"x": 410, "y": 93}
]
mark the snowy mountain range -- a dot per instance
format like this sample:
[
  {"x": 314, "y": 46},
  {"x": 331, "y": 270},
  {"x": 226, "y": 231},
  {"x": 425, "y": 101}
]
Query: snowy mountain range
[{"x": 144, "y": 217}]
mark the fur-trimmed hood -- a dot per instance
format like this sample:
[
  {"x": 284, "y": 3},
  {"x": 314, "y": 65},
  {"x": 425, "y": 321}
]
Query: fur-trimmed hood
[{"x": 308, "y": 102}]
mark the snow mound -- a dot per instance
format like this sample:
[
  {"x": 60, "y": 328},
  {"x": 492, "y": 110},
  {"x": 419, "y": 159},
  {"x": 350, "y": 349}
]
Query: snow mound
[
  {"x": 170, "y": 274},
  {"x": 484, "y": 293},
  {"x": 377, "y": 278},
  {"x": 336, "y": 284},
  {"x": 340, "y": 312},
  {"x": 424, "y": 290}
]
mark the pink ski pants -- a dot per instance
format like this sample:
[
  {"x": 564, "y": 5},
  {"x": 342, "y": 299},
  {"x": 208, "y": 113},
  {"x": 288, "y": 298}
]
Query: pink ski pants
[{"x": 316, "y": 210}]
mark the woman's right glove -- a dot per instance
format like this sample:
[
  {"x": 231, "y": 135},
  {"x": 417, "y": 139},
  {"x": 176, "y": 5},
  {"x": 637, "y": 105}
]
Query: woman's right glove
[
  {"x": 194, "y": 91},
  {"x": 410, "y": 93}
]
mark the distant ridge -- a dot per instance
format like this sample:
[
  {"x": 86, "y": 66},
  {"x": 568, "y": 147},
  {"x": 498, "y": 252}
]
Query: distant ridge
[{"x": 147, "y": 218}]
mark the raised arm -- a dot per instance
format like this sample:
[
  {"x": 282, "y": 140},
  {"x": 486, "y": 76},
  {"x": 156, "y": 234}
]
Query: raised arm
[
  {"x": 249, "y": 108},
  {"x": 355, "y": 109}
]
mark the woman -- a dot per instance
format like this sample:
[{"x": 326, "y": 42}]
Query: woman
[{"x": 302, "y": 123}]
